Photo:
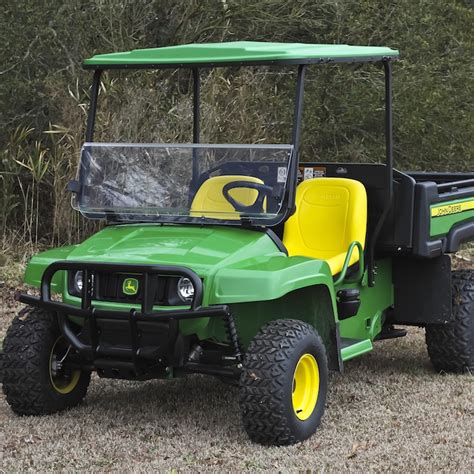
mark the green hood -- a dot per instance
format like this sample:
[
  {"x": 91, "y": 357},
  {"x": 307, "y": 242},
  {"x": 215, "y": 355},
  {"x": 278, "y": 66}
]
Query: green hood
[
  {"x": 236, "y": 264},
  {"x": 199, "y": 248}
]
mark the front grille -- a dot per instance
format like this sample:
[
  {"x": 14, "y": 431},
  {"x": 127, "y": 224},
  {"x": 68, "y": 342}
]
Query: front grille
[{"x": 109, "y": 287}]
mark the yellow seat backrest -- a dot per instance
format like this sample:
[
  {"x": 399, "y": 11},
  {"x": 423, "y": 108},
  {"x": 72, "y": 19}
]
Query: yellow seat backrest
[
  {"x": 209, "y": 200},
  {"x": 330, "y": 214}
]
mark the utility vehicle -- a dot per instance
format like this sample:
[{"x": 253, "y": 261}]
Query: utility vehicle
[{"x": 240, "y": 262}]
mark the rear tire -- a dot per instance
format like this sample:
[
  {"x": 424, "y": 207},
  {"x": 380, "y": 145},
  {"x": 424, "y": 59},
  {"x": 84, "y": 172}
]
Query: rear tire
[
  {"x": 451, "y": 346},
  {"x": 284, "y": 382},
  {"x": 31, "y": 383}
]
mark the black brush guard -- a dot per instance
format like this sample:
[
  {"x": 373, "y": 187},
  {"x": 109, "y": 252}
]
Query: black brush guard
[{"x": 93, "y": 351}]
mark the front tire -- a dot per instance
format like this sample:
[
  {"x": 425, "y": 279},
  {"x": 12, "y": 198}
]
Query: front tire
[
  {"x": 284, "y": 382},
  {"x": 33, "y": 381},
  {"x": 451, "y": 346}
]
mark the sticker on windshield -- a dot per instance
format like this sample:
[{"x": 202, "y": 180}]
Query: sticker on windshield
[{"x": 282, "y": 172}]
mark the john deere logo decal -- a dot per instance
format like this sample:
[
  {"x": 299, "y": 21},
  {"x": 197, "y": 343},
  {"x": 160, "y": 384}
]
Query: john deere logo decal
[{"x": 130, "y": 286}]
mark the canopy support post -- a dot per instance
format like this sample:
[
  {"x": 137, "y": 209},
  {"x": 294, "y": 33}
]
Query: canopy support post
[
  {"x": 295, "y": 141},
  {"x": 387, "y": 65},
  {"x": 93, "y": 105},
  {"x": 196, "y": 119},
  {"x": 298, "y": 114}
]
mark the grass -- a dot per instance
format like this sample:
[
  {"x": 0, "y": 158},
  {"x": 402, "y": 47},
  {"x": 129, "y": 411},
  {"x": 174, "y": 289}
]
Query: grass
[{"x": 389, "y": 411}]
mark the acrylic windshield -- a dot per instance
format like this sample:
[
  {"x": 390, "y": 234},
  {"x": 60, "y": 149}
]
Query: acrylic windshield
[{"x": 183, "y": 183}]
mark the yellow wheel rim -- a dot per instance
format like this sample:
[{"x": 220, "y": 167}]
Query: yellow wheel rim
[
  {"x": 61, "y": 383},
  {"x": 305, "y": 386}
]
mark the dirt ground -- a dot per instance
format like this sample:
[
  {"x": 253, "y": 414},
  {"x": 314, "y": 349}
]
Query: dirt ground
[{"x": 389, "y": 411}]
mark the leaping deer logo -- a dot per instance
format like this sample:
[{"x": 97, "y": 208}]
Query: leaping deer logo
[{"x": 130, "y": 286}]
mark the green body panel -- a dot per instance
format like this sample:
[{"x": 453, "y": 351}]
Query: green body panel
[
  {"x": 444, "y": 216},
  {"x": 239, "y": 267},
  {"x": 367, "y": 323},
  {"x": 374, "y": 301},
  {"x": 39, "y": 262},
  {"x": 314, "y": 304},
  {"x": 240, "y": 51},
  {"x": 219, "y": 255}
]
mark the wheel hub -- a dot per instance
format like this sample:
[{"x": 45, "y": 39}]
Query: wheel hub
[
  {"x": 63, "y": 380},
  {"x": 305, "y": 386}
]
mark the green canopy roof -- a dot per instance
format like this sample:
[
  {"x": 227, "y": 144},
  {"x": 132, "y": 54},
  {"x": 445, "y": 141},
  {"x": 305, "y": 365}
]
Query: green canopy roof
[{"x": 240, "y": 52}]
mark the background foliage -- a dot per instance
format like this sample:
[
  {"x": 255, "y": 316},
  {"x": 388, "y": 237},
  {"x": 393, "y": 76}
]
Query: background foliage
[{"x": 44, "y": 91}]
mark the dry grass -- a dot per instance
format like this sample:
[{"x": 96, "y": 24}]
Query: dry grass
[{"x": 388, "y": 412}]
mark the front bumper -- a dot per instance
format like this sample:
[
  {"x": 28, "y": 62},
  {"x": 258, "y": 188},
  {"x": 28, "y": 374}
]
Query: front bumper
[{"x": 136, "y": 347}]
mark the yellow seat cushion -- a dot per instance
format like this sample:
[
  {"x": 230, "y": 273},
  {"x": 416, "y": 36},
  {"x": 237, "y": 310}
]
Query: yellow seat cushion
[
  {"x": 209, "y": 200},
  {"x": 331, "y": 213}
]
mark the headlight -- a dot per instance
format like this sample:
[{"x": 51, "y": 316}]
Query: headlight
[
  {"x": 185, "y": 289},
  {"x": 78, "y": 283}
]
